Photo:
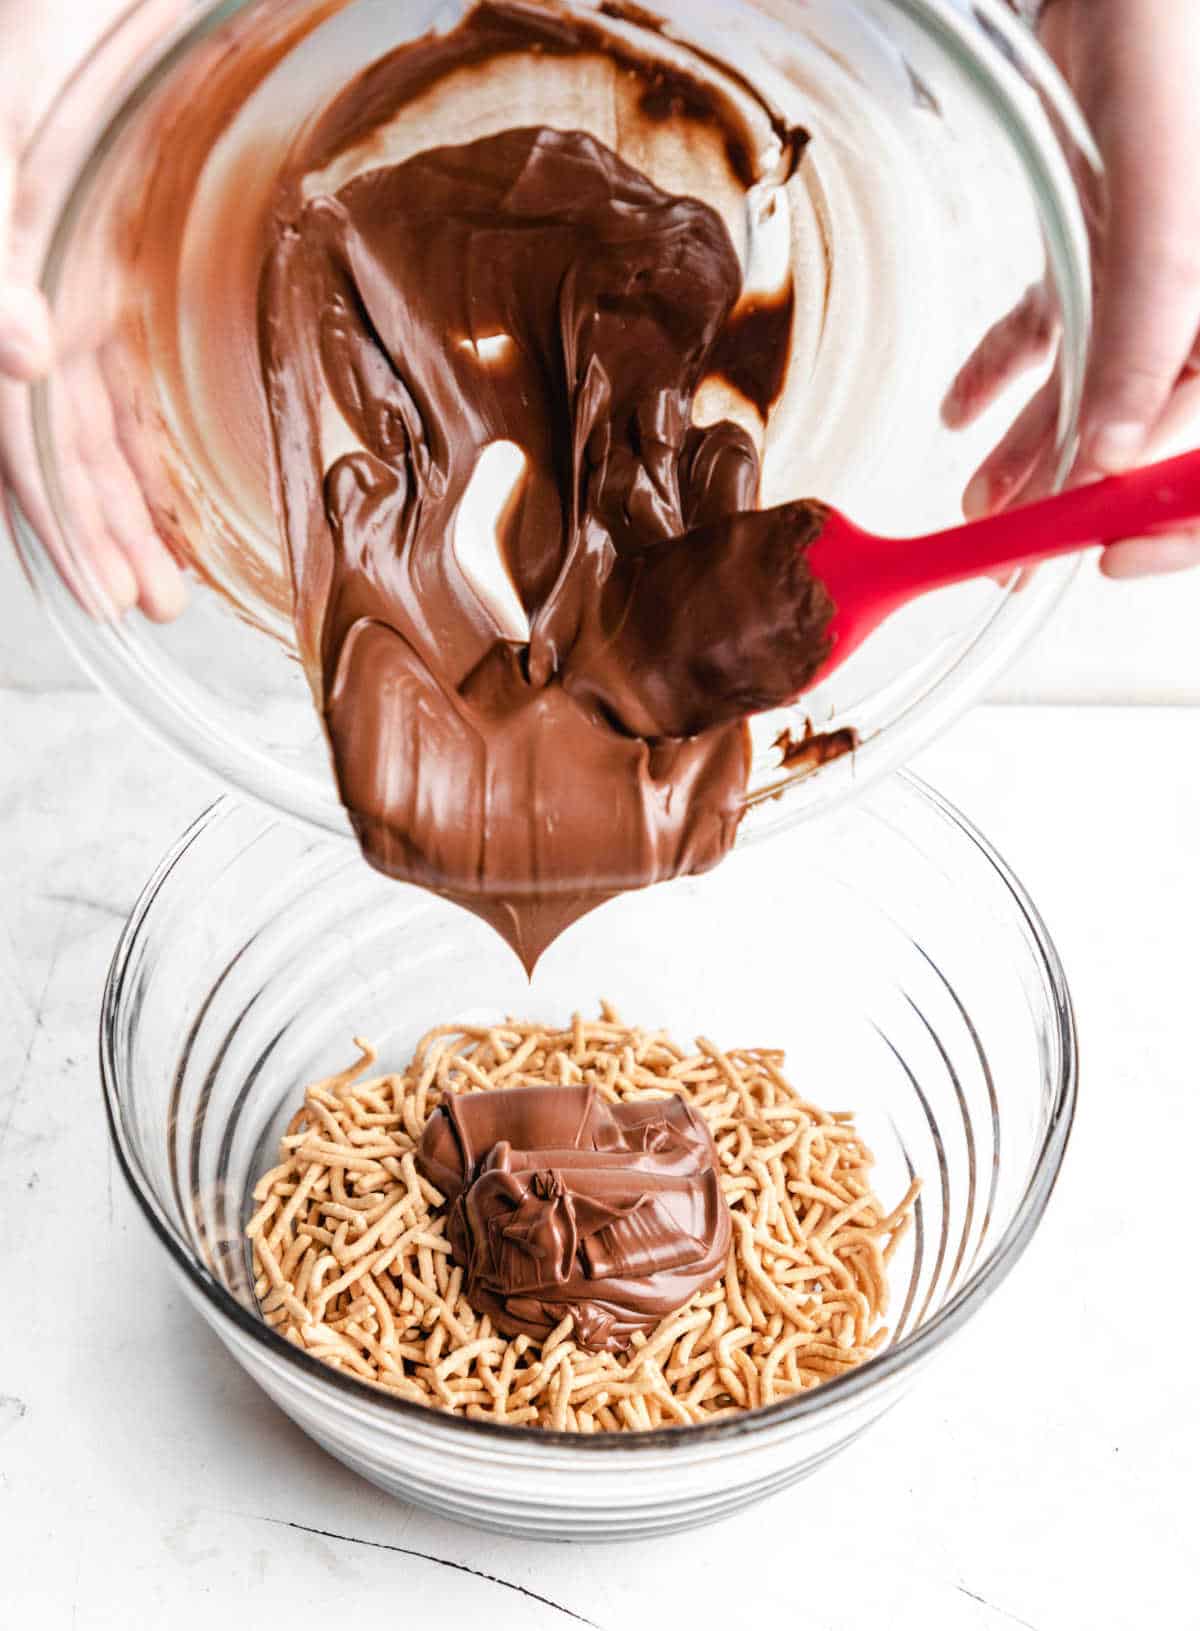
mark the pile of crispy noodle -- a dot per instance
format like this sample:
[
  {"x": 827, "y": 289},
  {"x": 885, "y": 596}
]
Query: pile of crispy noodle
[{"x": 353, "y": 1266}]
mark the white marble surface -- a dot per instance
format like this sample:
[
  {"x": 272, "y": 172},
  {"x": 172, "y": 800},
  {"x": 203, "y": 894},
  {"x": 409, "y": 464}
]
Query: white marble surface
[{"x": 1042, "y": 1477}]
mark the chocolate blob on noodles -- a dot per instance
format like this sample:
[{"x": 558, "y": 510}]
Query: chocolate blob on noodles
[
  {"x": 563, "y": 1204},
  {"x": 504, "y": 340}
]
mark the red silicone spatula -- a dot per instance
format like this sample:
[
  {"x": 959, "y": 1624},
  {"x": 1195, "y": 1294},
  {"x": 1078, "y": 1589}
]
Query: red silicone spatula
[
  {"x": 868, "y": 577},
  {"x": 745, "y": 614}
]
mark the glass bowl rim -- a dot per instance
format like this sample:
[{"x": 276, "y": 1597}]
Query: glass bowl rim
[{"x": 863, "y": 1379}]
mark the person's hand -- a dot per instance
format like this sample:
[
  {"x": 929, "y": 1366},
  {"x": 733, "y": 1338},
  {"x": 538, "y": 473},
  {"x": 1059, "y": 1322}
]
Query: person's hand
[
  {"x": 109, "y": 518},
  {"x": 1134, "y": 66}
]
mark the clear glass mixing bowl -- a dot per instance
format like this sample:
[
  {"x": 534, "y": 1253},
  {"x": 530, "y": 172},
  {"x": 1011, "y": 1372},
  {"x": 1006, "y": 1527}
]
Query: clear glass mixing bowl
[
  {"x": 941, "y": 182},
  {"x": 887, "y": 948}
]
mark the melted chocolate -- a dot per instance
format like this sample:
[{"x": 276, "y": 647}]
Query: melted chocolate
[
  {"x": 495, "y": 28},
  {"x": 752, "y": 352},
  {"x": 529, "y": 288},
  {"x": 560, "y": 1203},
  {"x": 815, "y": 748}
]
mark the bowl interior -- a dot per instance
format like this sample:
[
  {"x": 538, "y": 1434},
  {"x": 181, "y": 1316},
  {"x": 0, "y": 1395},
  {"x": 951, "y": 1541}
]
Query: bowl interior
[
  {"x": 936, "y": 190},
  {"x": 885, "y": 950}
]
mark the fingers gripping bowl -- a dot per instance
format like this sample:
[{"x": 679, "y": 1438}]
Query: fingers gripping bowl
[
  {"x": 897, "y": 961},
  {"x": 938, "y": 186}
]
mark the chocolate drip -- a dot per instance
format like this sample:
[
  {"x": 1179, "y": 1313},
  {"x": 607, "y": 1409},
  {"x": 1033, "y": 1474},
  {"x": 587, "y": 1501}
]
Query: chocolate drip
[
  {"x": 560, "y": 1203},
  {"x": 530, "y": 290}
]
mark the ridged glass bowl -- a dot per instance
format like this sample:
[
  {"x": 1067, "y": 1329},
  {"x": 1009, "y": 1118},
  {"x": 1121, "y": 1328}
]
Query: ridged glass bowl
[{"x": 887, "y": 948}]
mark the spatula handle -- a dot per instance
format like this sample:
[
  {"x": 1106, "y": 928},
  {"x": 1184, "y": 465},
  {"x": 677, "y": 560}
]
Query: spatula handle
[
  {"x": 869, "y": 577},
  {"x": 1149, "y": 500}
]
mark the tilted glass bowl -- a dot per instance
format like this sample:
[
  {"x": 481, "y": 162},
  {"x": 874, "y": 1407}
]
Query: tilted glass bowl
[
  {"x": 885, "y": 947},
  {"x": 943, "y": 171}
]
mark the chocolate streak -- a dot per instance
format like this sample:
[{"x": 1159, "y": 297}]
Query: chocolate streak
[
  {"x": 532, "y": 288},
  {"x": 562, "y": 1204},
  {"x": 815, "y": 748}
]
